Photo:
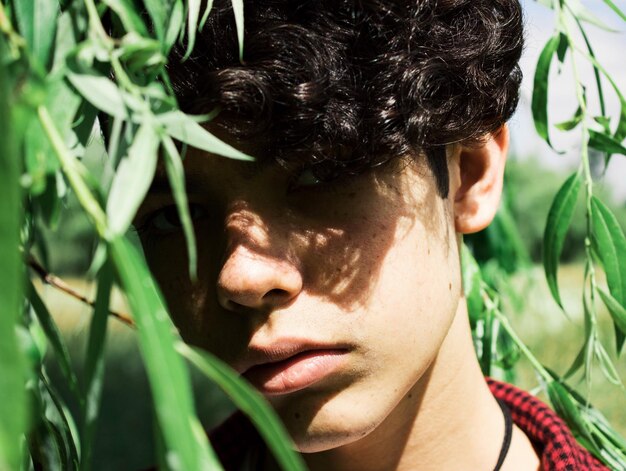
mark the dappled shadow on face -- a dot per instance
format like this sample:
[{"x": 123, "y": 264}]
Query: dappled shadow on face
[{"x": 338, "y": 241}]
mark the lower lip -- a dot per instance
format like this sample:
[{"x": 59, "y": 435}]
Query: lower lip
[{"x": 295, "y": 373}]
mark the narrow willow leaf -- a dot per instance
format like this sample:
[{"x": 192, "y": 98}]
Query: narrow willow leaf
[
  {"x": 13, "y": 406},
  {"x": 159, "y": 11},
  {"x": 205, "y": 15},
  {"x": 596, "y": 71},
  {"x": 128, "y": 15},
  {"x": 610, "y": 243},
  {"x": 176, "y": 25},
  {"x": 36, "y": 20},
  {"x": 583, "y": 14},
  {"x": 169, "y": 379},
  {"x": 604, "y": 143},
  {"x": 54, "y": 337},
  {"x": 618, "y": 313},
  {"x": 571, "y": 123},
  {"x": 577, "y": 363},
  {"x": 607, "y": 366},
  {"x": 61, "y": 419},
  {"x": 193, "y": 14},
  {"x": 238, "y": 12},
  {"x": 250, "y": 402},
  {"x": 559, "y": 219},
  {"x": 185, "y": 129},
  {"x": 566, "y": 407},
  {"x": 94, "y": 363},
  {"x": 620, "y": 131},
  {"x": 540, "y": 88},
  {"x": 101, "y": 92},
  {"x": 176, "y": 177},
  {"x": 132, "y": 180},
  {"x": 616, "y": 9}
]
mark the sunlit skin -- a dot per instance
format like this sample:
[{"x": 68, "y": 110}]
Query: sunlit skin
[{"x": 368, "y": 265}]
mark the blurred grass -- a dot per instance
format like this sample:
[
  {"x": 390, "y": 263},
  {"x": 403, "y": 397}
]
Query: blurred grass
[{"x": 124, "y": 439}]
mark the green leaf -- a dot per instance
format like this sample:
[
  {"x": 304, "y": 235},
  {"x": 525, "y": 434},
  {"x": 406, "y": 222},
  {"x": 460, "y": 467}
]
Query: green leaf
[
  {"x": 559, "y": 219},
  {"x": 205, "y": 15},
  {"x": 566, "y": 407},
  {"x": 158, "y": 11},
  {"x": 620, "y": 131},
  {"x": 606, "y": 364},
  {"x": 175, "y": 27},
  {"x": 54, "y": 337},
  {"x": 571, "y": 123},
  {"x": 140, "y": 54},
  {"x": 604, "y": 143},
  {"x": 61, "y": 421},
  {"x": 561, "y": 50},
  {"x": 193, "y": 14},
  {"x": 540, "y": 88},
  {"x": 176, "y": 177},
  {"x": 185, "y": 129},
  {"x": 610, "y": 245},
  {"x": 616, "y": 9},
  {"x": 101, "y": 92},
  {"x": 238, "y": 12},
  {"x": 132, "y": 179},
  {"x": 94, "y": 363},
  {"x": 618, "y": 313},
  {"x": 250, "y": 402},
  {"x": 583, "y": 14},
  {"x": 13, "y": 408},
  {"x": 128, "y": 15},
  {"x": 36, "y": 20},
  {"x": 168, "y": 376}
]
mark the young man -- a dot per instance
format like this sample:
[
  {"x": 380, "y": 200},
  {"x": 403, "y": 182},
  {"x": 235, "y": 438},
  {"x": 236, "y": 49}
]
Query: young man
[{"x": 329, "y": 271}]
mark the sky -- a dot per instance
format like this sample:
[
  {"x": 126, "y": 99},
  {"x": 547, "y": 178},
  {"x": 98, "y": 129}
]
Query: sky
[{"x": 610, "y": 48}]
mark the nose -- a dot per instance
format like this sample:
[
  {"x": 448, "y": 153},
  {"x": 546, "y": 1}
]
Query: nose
[{"x": 249, "y": 279}]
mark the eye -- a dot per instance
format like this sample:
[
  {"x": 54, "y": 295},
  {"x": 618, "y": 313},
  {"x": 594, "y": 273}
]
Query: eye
[{"x": 166, "y": 220}]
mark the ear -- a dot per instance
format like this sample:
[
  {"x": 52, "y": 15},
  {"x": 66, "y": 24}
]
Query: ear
[{"x": 481, "y": 172}]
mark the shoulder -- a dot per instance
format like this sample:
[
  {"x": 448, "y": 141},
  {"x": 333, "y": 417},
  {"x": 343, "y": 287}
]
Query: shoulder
[{"x": 557, "y": 447}]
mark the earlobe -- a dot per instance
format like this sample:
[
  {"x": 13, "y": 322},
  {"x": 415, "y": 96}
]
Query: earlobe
[{"x": 481, "y": 171}]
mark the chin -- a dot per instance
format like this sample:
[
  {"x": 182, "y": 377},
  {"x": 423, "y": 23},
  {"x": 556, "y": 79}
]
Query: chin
[{"x": 326, "y": 427}]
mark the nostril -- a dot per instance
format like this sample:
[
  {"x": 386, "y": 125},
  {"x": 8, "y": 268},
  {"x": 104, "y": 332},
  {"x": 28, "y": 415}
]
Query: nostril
[{"x": 275, "y": 293}]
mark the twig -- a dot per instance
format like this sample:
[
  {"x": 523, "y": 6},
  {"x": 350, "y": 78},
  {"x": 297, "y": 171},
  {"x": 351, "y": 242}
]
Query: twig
[{"x": 61, "y": 285}]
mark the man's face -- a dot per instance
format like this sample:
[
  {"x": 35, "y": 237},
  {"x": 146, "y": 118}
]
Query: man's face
[{"x": 332, "y": 299}]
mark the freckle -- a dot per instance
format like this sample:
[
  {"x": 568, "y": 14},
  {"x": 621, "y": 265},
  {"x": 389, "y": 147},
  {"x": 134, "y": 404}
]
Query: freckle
[
  {"x": 450, "y": 286},
  {"x": 297, "y": 415},
  {"x": 428, "y": 251},
  {"x": 410, "y": 395}
]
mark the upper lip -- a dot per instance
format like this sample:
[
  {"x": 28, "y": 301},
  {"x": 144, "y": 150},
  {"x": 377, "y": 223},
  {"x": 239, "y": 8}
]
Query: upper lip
[{"x": 279, "y": 350}]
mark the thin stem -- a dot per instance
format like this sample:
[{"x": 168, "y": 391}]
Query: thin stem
[
  {"x": 58, "y": 283},
  {"x": 94, "y": 20},
  {"x": 490, "y": 304},
  {"x": 70, "y": 169}
]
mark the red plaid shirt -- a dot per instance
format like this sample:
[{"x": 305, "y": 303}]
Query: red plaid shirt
[{"x": 556, "y": 445}]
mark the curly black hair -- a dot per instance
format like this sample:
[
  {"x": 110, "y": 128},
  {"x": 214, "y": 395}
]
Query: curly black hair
[{"x": 351, "y": 84}]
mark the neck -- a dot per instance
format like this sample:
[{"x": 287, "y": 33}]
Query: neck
[{"x": 448, "y": 417}]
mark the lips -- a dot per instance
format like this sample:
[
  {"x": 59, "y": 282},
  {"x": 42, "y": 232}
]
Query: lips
[{"x": 288, "y": 366}]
